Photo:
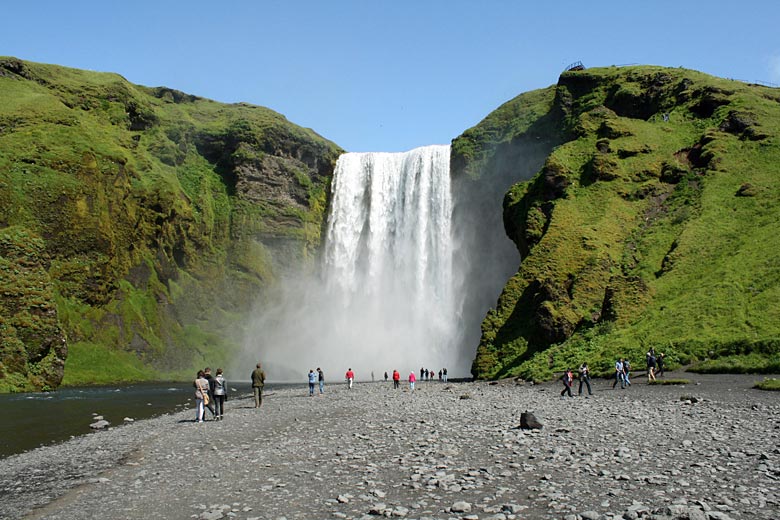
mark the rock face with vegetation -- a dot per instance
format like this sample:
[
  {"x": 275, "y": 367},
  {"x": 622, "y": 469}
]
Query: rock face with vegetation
[
  {"x": 137, "y": 224},
  {"x": 652, "y": 221}
]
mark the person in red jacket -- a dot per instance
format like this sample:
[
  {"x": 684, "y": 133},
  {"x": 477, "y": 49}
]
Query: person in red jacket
[
  {"x": 350, "y": 376},
  {"x": 396, "y": 379}
]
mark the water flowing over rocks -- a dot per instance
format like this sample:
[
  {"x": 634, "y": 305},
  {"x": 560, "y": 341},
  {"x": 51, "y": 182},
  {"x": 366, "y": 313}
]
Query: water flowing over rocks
[{"x": 639, "y": 453}]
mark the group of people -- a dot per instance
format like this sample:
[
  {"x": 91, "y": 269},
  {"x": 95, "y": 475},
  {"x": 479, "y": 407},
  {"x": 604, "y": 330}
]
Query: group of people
[
  {"x": 317, "y": 377},
  {"x": 568, "y": 380},
  {"x": 425, "y": 375},
  {"x": 211, "y": 392},
  {"x": 655, "y": 367}
]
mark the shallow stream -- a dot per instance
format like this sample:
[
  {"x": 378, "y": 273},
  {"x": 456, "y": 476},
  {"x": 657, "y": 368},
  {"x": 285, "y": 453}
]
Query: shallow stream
[{"x": 34, "y": 419}]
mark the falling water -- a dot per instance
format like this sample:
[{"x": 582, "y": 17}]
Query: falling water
[
  {"x": 388, "y": 256},
  {"x": 383, "y": 298}
]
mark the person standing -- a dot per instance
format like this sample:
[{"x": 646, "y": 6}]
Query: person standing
[
  {"x": 445, "y": 374},
  {"x": 619, "y": 374},
  {"x": 660, "y": 362},
  {"x": 626, "y": 372},
  {"x": 385, "y": 376},
  {"x": 396, "y": 379},
  {"x": 258, "y": 382},
  {"x": 412, "y": 379},
  {"x": 220, "y": 394},
  {"x": 201, "y": 394},
  {"x": 585, "y": 378},
  {"x": 350, "y": 376},
  {"x": 321, "y": 380},
  {"x": 567, "y": 379},
  {"x": 312, "y": 382},
  {"x": 210, "y": 404},
  {"x": 651, "y": 362}
]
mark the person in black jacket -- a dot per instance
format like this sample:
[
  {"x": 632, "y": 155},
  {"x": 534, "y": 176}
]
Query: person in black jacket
[
  {"x": 210, "y": 379},
  {"x": 585, "y": 378},
  {"x": 567, "y": 379}
]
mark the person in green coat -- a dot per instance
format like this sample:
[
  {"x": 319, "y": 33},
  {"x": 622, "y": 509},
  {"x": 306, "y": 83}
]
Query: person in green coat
[{"x": 258, "y": 381}]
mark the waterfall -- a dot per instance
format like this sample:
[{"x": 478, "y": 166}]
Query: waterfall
[
  {"x": 383, "y": 297},
  {"x": 387, "y": 263}
]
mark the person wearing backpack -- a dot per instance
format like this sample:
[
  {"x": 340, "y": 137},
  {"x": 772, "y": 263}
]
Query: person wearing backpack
[
  {"x": 619, "y": 377},
  {"x": 220, "y": 394},
  {"x": 567, "y": 379}
]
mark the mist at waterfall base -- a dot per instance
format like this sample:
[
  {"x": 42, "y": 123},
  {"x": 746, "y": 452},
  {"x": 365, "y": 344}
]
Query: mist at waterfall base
[{"x": 391, "y": 287}]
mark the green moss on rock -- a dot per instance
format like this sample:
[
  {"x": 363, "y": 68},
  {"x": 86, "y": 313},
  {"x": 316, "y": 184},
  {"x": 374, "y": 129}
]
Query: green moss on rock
[
  {"x": 635, "y": 231},
  {"x": 160, "y": 215}
]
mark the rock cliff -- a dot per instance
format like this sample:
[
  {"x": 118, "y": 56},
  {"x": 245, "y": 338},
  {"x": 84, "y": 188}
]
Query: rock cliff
[
  {"x": 138, "y": 224},
  {"x": 651, "y": 221}
]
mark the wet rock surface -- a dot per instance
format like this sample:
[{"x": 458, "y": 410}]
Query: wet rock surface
[{"x": 377, "y": 452}]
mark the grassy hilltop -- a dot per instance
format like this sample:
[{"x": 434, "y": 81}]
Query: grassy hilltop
[
  {"x": 138, "y": 224},
  {"x": 652, "y": 221}
]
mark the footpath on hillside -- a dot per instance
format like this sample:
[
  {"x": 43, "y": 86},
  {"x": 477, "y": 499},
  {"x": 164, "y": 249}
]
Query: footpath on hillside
[{"x": 707, "y": 450}]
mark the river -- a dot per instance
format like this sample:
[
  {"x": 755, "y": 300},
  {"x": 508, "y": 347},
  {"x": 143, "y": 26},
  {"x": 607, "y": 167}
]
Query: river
[{"x": 40, "y": 418}]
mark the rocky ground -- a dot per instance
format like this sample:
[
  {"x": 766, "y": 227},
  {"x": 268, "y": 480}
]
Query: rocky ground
[{"x": 449, "y": 450}]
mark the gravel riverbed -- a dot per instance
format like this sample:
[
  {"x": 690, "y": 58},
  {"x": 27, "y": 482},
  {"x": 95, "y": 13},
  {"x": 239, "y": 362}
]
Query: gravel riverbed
[{"x": 447, "y": 450}]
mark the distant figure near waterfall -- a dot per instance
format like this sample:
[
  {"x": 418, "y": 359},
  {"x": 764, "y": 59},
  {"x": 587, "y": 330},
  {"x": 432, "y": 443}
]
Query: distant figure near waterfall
[
  {"x": 201, "y": 393},
  {"x": 396, "y": 379},
  {"x": 321, "y": 380},
  {"x": 350, "y": 376},
  {"x": 210, "y": 404},
  {"x": 567, "y": 378},
  {"x": 412, "y": 379},
  {"x": 220, "y": 392},
  {"x": 312, "y": 381},
  {"x": 258, "y": 382},
  {"x": 585, "y": 379}
]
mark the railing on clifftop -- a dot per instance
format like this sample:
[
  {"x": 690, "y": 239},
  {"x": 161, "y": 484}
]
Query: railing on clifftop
[{"x": 577, "y": 65}]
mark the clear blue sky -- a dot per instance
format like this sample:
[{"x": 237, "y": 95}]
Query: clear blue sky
[{"x": 387, "y": 75}]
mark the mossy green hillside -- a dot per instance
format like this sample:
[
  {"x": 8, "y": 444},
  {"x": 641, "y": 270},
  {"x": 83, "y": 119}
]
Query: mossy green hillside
[
  {"x": 159, "y": 217},
  {"x": 653, "y": 224}
]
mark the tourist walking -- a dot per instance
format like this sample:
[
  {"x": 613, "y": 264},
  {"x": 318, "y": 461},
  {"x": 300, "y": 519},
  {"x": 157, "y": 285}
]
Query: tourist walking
[
  {"x": 312, "y": 381},
  {"x": 321, "y": 380},
  {"x": 619, "y": 374},
  {"x": 258, "y": 382},
  {"x": 585, "y": 378},
  {"x": 412, "y": 379},
  {"x": 659, "y": 371},
  {"x": 350, "y": 376},
  {"x": 396, "y": 379},
  {"x": 567, "y": 379},
  {"x": 210, "y": 401},
  {"x": 445, "y": 374},
  {"x": 651, "y": 363},
  {"x": 220, "y": 394},
  {"x": 627, "y": 372},
  {"x": 385, "y": 376},
  {"x": 201, "y": 395}
]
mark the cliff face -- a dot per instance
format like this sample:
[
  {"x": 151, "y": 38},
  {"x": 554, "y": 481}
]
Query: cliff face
[
  {"x": 140, "y": 223},
  {"x": 652, "y": 222}
]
